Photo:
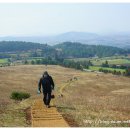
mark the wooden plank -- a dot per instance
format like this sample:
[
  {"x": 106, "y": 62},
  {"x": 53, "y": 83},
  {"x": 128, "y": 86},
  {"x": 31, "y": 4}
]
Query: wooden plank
[{"x": 46, "y": 117}]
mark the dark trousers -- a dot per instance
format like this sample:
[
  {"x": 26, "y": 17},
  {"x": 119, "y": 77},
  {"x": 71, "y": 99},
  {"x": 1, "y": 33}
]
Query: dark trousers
[{"x": 46, "y": 98}]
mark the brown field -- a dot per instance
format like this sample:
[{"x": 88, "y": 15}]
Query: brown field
[{"x": 89, "y": 99}]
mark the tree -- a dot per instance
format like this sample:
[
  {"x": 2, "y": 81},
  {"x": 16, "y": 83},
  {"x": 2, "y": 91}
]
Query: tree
[
  {"x": 123, "y": 67},
  {"x": 25, "y": 62},
  {"x": 128, "y": 71},
  {"x": 113, "y": 66},
  {"x": 114, "y": 72},
  {"x": 9, "y": 60},
  {"x": 105, "y": 64},
  {"x": 38, "y": 61},
  {"x": 32, "y": 62}
]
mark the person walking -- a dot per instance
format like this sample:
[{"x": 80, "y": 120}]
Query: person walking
[{"x": 47, "y": 84}]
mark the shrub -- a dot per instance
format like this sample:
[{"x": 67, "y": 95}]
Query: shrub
[{"x": 19, "y": 95}]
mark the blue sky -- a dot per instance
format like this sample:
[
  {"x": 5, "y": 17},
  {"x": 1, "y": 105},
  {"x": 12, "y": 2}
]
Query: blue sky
[{"x": 46, "y": 19}]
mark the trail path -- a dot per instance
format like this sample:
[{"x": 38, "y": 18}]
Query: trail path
[
  {"x": 46, "y": 117},
  {"x": 64, "y": 86}
]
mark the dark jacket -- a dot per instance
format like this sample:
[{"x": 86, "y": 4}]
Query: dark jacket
[{"x": 47, "y": 84}]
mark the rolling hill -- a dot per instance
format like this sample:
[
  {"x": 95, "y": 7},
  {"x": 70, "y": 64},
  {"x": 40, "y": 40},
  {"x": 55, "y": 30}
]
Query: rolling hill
[
  {"x": 86, "y": 96},
  {"x": 121, "y": 40},
  {"x": 66, "y": 49}
]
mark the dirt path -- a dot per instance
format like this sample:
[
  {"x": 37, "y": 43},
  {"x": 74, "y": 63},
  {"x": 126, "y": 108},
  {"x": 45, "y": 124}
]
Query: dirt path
[
  {"x": 64, "y": 86},
  {"x": 46, "y": 117}
]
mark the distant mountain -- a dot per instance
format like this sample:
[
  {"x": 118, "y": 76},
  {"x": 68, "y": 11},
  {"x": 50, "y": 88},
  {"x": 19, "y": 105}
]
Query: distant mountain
[
  {"x": 118, "y": 40},
  {"x": 121, "y": 40},
  {"x": 76, "y": 36},
  {"x": 52, "y": 40}
]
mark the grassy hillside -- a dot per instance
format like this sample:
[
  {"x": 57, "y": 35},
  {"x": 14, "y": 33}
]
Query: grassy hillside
[
  {"x": 86, "y": 96},
  {"x": 15, "y": 46},
  {"x": 78, "y": 50},
  {"x": 112, "y": 61},
  {"x": 117, "y": 60},
  {"x": 63, "y": 50}
]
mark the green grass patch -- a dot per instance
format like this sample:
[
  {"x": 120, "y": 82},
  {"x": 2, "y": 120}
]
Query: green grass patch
[
  {"x": 2, "y": 61},
  {"x": 79, "y": 59},
  {"x": 19, "y": 95},
  {"x": 121, "y": 60},
  {"x": 35, "y": 58},
  {"x": 96, "y": 68},
  {"x": 111, "y": 61}
]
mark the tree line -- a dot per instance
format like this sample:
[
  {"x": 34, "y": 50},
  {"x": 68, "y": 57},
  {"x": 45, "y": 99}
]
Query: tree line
[
  {"x": 115, "y": 72},
  {"x": 78, "y": 65},
  {"x": 78, "y": 50},
  {"x": 106, "y": 64},
  {"x": 63, "y": 50}
]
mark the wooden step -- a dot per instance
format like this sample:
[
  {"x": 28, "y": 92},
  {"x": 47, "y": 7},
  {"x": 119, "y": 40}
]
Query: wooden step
[{"x": 46, "y": 117}]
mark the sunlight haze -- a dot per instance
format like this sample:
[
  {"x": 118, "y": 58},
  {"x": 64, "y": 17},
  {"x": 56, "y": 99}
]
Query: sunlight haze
[{"x": 48, "y": 19}]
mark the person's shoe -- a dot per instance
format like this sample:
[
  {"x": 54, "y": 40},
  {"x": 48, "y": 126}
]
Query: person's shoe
[{"x": 48, "y": 106}]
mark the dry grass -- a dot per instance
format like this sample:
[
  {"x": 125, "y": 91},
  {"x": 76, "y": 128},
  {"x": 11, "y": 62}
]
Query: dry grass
[{"x": 95, "y": 98}]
